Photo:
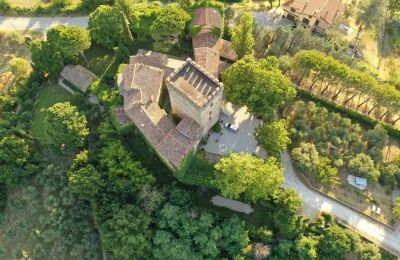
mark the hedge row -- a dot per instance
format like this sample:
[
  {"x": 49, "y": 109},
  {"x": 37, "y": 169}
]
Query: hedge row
[{"x": 354, "y": 115}]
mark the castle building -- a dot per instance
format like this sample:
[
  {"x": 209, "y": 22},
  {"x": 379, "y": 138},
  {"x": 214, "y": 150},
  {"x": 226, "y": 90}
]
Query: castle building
[{"x": 194, "y": 92}]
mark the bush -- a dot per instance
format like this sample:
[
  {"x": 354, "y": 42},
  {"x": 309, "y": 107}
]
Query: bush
[
  {"x": 4, "y": 6},
  {"x": 217, "y": 127}
]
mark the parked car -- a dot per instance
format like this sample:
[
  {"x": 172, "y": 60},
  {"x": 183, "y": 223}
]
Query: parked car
[{"x": 231, "y": 127}]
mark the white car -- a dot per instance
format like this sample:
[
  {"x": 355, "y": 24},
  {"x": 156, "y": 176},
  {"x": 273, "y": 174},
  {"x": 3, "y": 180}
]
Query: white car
[{"x": 231, "y": 127}]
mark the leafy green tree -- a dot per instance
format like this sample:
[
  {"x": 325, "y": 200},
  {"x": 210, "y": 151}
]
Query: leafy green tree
[
  {"x": 306, "y": 157},
  {"x": 334, "y": 243},
  {"x": 371, "y": 14},
  {"x": 142, "y": 18},
  {"x": 306, "y": 247},
  {"x": 105, "y": 26},
  {"x": 60, "y": 4},
  {"x": 273, "y": 136},
  {"x": 242, "y": 35},
  {"x": 244, "y": 173},
  {"x": 83, "y": 178},
  {"x": 369, "y": 251},
  {"x": 46, "y": 60},
  {"x": 4, "y": 5},
  {"x": 127, "y": 235},
  {"x": 21, "y": 68},
  {"x": 127, "y": 33},
  {"x": 66, "y": 126},
  {"x": 389, "y": 172},
  {"x": 124, "y": 175},
  {"x": 234, "y": 236},
  {"x": 68, "y": 40},
  {"x": 284, "y": 249},
  {"x": 396, "y": 208},
  {"x": 377, "y": 137},
  {"x": 325, "y": 172},
  {"x": 91, "y": 5},
  {"x": 185, "y": 4},
  {"x": 263, "y": 89},
  {"x": 394, "y": 6},
  {"x": 285, "y": 216},
  {"x": 363, "y": 166},
  {"x": 168, "y": 25},
  {"x": 14, "y": 150},
  {"x": 126, "y": 7}
]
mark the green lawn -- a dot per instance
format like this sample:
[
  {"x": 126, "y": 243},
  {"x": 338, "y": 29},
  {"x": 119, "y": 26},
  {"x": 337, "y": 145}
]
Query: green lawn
[
  {"x": 101, "y": 61},
  {"x": 47, "y": 97}
]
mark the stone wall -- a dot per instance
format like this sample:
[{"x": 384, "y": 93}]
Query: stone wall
[{"x": 206, "y": 117}]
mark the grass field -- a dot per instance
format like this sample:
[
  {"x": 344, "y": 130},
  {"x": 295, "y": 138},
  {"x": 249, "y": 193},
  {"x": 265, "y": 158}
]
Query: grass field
[
  {"x": 12, "y": 45},
  {"x": 48, "y": 96},
  {"x": 100, "y": 61}
]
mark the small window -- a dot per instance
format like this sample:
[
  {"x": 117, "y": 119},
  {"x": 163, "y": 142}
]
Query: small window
[
  {"x": 210, "y": 113},
  {"x": 211, "y": 104},
  {"x": 306, "y": 21},
  {"x": 316, "y": 23},
  {"x": 292, "y": 10},
  {"x": 209, "y": 119}
]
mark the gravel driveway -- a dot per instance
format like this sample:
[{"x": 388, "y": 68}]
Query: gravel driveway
[
  {"x": 272, "y": 18},
  {"x": 242, "y": 141},
  {"x": 40, "y": 23}
]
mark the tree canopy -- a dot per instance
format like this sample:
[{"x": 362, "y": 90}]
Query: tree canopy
[
  {"x": 273, "y": 136},
  {"x": 69, "y": 40},
  {"x": 21, "y": 68},
  {"x": 363, "y": 166},
  {"x": 264, "y": 88},
  {"x": 335, "y": 242},
  {"x": 66, "y": 126},
  {"x": 105, "y": 26},
  {"x": 167, "y": 27},
  {"x": 242, "y": 35},
  {"x": 243, "y": 173}
]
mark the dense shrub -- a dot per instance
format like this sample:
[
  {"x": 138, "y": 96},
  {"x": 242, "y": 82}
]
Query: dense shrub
[
  {"x": 108, "y": 95},
  {"x": 4, "y": 6}
]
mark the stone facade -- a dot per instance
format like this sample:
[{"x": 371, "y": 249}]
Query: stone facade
[{"x": 196, "y": 94}]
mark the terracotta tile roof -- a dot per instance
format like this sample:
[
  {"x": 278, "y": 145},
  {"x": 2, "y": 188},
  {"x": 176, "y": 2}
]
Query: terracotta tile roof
[
  {"x": 195, "y": 83},
  {"x": 207, "y": 16},
  {"x": 189, "y": 128},
  {"x": 176, "y": 146},
  {"x": 206, "y": 39},
  {"x": 78, "y": 76},
  {"x": 329, "y": 10},
  {"x": 208, "y": 59},
  {"x": 163, "y": 59},
  {"x": 145, "y": 78},
  {"x": 132, "y": 98},
  {"x": 227, "y": 51},
  {"x": 121, "y": 116},
  {"x": 223, "y": 66},
  {"x": 173, "y": 142},
  {"x": 148, "y": 60}
]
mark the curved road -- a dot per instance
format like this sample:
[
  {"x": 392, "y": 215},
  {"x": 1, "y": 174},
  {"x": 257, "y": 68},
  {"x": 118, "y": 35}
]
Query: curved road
[
  {"x": 315, "y": 203},
  {"x": 40, "y": 23}
]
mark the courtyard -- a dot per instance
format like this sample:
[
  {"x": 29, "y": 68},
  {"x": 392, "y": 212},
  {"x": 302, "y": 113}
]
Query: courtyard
[{"x": 227, "y": 142}]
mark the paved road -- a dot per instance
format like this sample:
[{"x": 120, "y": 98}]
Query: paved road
[
  {"x": 315, "y": 202},
  {"x": 39, "y": 23}
]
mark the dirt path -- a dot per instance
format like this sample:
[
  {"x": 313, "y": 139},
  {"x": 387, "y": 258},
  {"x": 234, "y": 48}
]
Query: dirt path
[{"x": 40, "y": 23}]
